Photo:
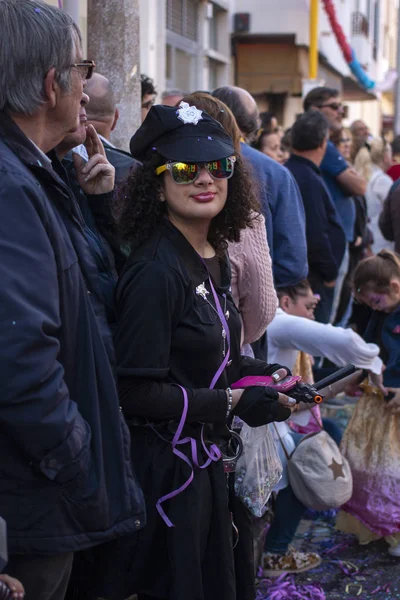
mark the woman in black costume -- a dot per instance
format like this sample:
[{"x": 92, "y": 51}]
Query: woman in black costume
[{"x": 178, "y": 350}]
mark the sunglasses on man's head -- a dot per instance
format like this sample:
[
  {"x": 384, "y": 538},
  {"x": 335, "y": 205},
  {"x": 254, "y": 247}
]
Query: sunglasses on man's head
[
  {"x": 87, "y": 67},
  {"x": 184, "y": 173}
]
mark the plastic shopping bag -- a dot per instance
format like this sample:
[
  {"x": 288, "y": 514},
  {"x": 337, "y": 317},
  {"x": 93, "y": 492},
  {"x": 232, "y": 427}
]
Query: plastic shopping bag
[{"x": 258, "y": 469}]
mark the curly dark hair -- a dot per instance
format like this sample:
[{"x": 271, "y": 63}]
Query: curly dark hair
[
  {"x": 139, "y": 210},
  {"x": 147, "y": 86}
]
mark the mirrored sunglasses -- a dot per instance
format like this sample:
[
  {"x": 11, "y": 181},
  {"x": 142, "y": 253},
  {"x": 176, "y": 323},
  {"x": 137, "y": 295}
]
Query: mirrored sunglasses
[{"x": 184, "y": 173}]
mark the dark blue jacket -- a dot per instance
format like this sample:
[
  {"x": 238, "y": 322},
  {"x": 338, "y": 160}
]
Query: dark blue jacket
[
  {"x": 326, "y": 241},
  {"x": 284, "y": 215},
  {"x": 384, "y": 329},
  {"x": 122, "y": 161},
  {"x": 91, "y": 208},
  {"x": 66, "y": 482}
]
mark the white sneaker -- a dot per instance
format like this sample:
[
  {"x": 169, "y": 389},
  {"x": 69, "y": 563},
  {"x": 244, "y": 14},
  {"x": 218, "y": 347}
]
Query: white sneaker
[{"x": 394, "y": 550}]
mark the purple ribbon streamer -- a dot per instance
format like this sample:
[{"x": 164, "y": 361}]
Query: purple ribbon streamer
[
  {"x": 60, "y": 4},
  {"x": 228, "y": 336},
  {"x": 213, "y": 453}
]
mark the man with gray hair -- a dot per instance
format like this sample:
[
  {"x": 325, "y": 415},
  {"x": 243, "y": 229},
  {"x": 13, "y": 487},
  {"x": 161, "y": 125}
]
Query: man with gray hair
[
  {"x": 66, "y": 480},
  {"x": 171, "y": 97}
]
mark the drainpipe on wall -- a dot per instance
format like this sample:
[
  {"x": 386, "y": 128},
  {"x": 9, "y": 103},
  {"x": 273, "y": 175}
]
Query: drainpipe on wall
[{"x": 313, "y": 51}]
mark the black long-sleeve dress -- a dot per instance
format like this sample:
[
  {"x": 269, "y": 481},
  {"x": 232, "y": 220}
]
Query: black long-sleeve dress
[{"x": 169, "y": 333}]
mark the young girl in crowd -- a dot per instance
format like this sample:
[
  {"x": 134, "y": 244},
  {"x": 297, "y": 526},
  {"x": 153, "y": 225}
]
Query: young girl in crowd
[
  {"x": 372, "y": 440},
  {"x": 178, "y": 351}
]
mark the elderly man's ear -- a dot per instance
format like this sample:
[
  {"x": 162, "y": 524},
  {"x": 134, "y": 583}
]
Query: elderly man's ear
[
  {"x": 50, "y": 88},
  {"x": 116, "y": 117}
]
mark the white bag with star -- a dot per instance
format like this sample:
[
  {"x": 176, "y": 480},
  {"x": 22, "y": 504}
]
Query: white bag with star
[{"x": 319, "y": 474}]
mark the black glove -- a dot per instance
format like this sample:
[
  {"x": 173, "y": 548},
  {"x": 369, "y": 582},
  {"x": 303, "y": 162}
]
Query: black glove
[{"x": 259, "y": 406}]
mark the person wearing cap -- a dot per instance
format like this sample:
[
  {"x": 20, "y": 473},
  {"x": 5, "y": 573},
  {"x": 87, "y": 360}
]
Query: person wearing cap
[{"x": 178, "y": 350}]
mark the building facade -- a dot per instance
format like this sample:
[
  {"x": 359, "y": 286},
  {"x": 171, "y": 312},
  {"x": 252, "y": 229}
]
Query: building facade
[
  {"x": 185, "y": 44},
  {"x": 270, "y": 53}
]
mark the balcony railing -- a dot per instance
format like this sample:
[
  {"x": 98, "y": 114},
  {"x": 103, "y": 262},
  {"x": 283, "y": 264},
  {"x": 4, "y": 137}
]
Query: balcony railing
[{"x": 359, "y": 24}]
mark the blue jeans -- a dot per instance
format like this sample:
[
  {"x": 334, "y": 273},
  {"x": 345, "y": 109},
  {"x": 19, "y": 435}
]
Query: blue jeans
[
  {"x": 323, "y": 310},
  {"x": 333, "y": 429},
  {"x": 288, "y": 513}
]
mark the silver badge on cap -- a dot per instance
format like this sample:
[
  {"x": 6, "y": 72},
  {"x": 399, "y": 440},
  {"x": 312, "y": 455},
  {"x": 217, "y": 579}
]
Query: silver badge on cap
[{"x": 189, "y": 114}]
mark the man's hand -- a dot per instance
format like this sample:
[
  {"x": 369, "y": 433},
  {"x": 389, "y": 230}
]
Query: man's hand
[
  {"x": 97, "y": 176},
  {"x": 15, "y": 586},
  {"x": 394, "y": 403}
]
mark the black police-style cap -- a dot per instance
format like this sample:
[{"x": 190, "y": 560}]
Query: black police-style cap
[{"x": 184, "y": 134}]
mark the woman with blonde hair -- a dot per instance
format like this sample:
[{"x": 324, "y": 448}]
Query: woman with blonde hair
[
  {"x": 371, "y": 442},
  {"x": 372, "y": 164}
]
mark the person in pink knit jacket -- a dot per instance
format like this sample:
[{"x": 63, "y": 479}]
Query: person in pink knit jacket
[{"x": 252, "y": 281}]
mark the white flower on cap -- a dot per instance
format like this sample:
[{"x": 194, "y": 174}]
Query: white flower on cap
[{"x": 189, "y": 114}]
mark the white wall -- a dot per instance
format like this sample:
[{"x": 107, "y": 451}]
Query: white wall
[
  {"x": 292, "y": 17},
  {"x": 76, "y": 8},
  {"x": 369, "y": 111},
  {"x": 276, "y": 17},
  {"x": 153, "y": 41}
]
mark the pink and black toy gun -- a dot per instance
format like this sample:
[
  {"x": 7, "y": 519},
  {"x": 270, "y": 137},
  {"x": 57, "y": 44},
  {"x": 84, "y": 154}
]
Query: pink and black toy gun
[{"x": 294, "y": 387}]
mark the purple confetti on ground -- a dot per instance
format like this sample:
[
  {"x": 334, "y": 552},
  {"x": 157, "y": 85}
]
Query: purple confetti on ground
[
  {"x": 209, "y": 138},
  {"x": 285, "y": 588},
  {"x": 37, "y": 10}
]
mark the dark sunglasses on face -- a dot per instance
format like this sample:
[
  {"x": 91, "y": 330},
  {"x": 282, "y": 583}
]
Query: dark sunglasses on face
[
  {"x": 87, "y": 67},
  {"x": 185, "y": 173},
  {"x": 332, "y": 105}
]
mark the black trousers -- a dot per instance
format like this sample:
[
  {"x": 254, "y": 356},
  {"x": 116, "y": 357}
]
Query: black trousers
[{"x": 44, "y": 577}]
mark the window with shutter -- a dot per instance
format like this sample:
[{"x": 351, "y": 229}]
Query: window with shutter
[
  {"x": 182, "y": 18},
  {"x": 190, "y": 25}
]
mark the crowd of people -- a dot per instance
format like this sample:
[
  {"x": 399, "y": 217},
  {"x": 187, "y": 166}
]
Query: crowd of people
[{"x": 141, "y": 289}]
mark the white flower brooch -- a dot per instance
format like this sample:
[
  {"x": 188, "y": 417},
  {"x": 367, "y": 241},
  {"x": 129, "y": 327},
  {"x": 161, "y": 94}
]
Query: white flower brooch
[{"x": 189, "y": 114}]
